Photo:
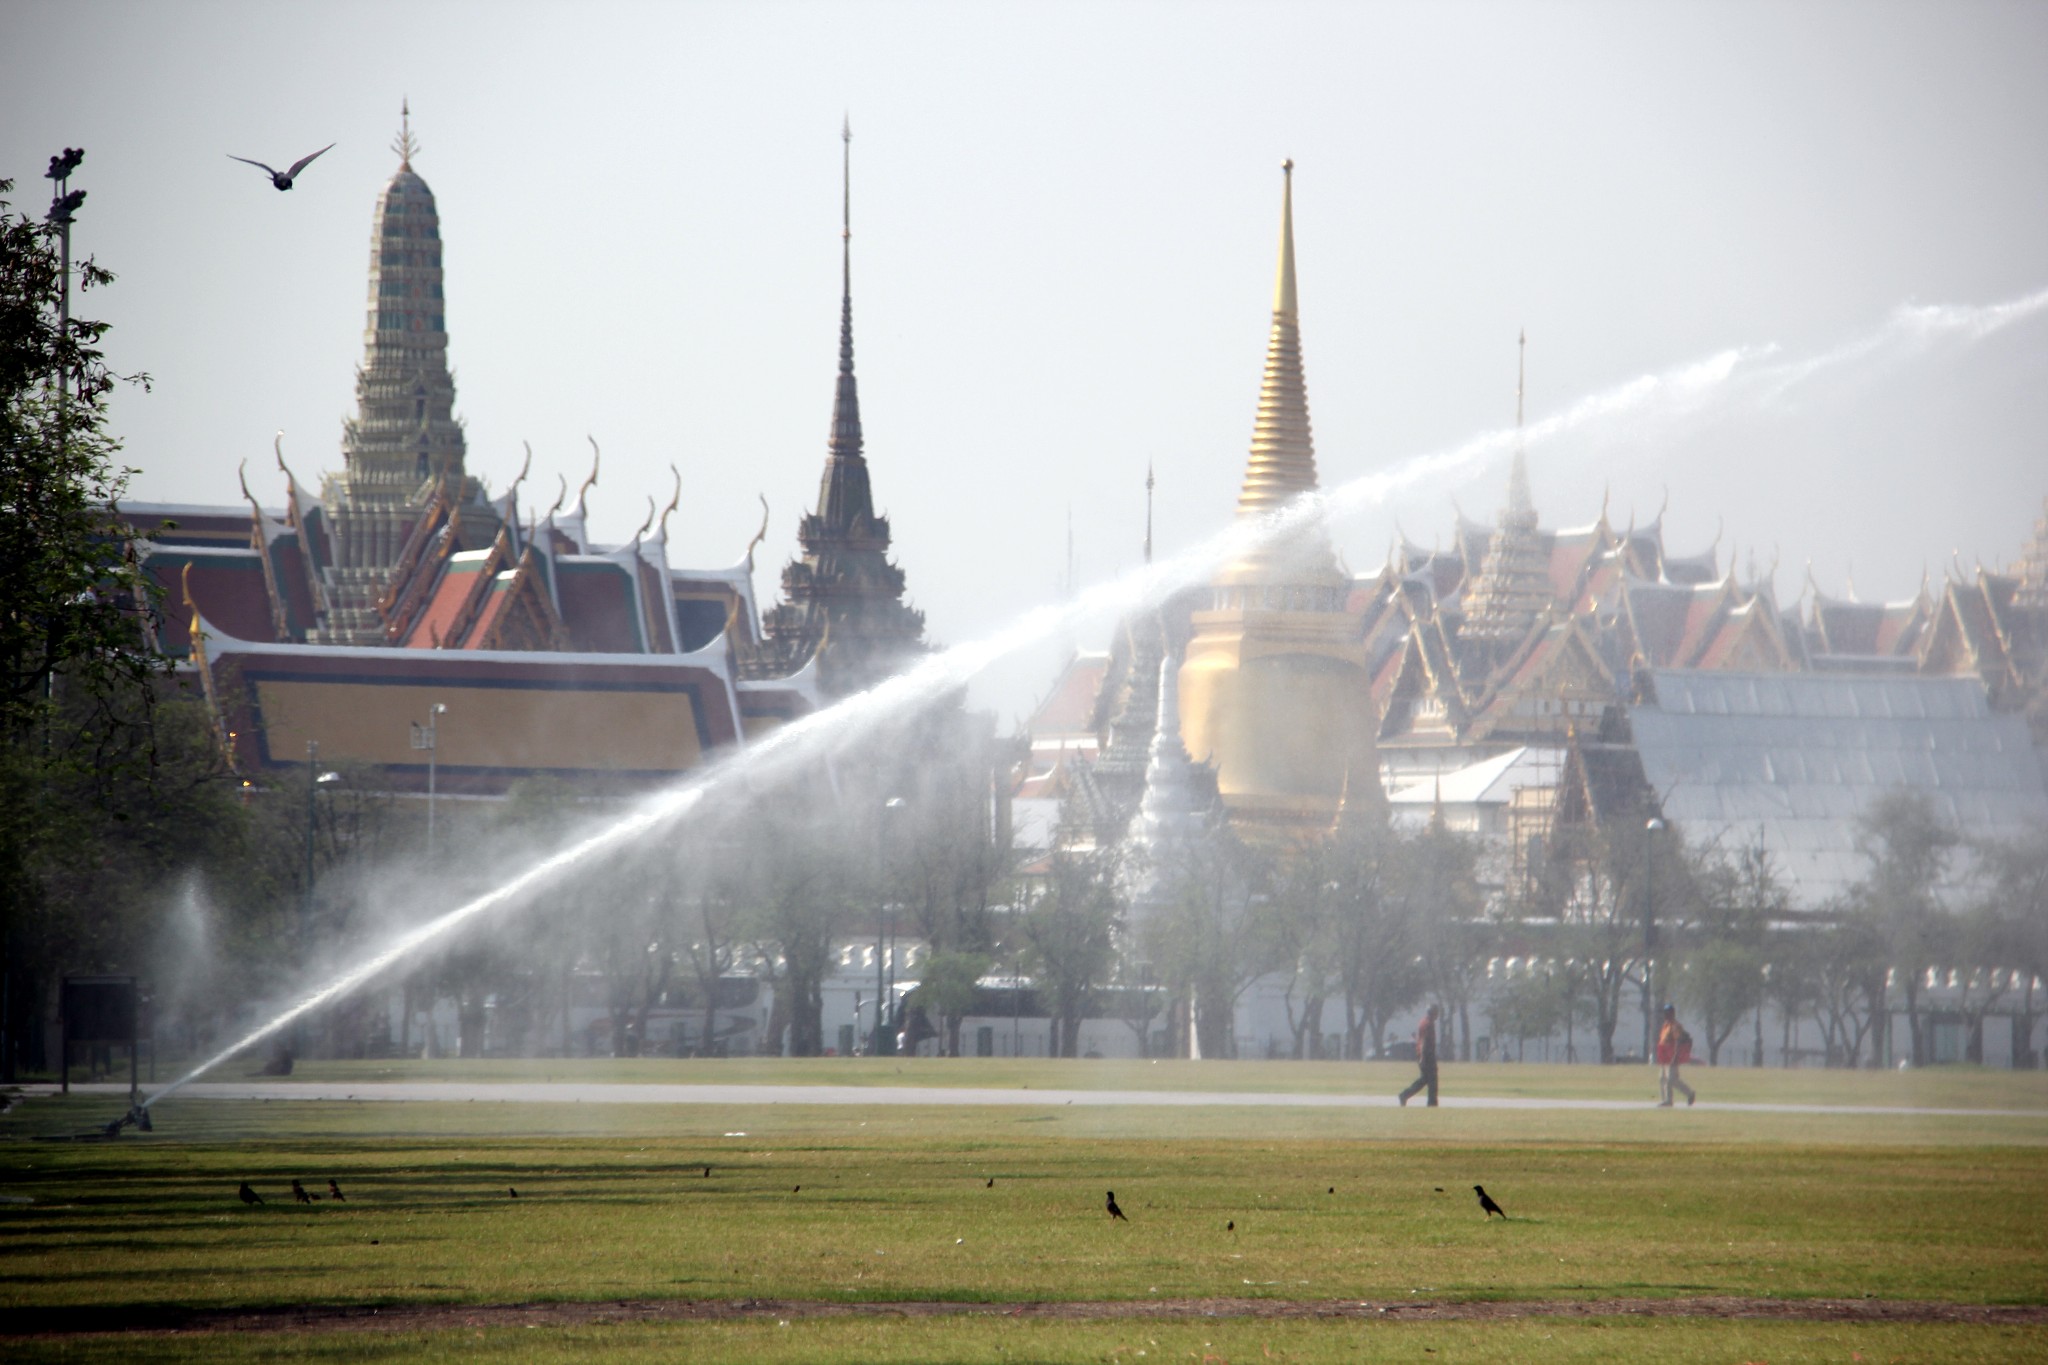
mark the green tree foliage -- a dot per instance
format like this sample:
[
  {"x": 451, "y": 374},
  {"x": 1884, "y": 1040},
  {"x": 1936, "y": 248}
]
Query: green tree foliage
[
  {"x": 1907, "y": 846},
  {"x": 1067, "y": 936}
]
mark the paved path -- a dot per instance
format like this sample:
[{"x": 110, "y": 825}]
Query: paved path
[{"x": 580, "y": 1092}]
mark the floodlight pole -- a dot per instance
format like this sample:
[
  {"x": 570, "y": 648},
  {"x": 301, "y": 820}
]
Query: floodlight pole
[{"x": 1651, "y": 828}]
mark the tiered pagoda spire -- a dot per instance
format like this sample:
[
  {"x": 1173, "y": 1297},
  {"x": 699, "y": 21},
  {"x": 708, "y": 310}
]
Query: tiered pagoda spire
[
  {"x": 1274, "y": 686},
  {"x": 1512, "y": 588},
  {"x": 404, "y": 448},
  {"x": 843, "y": 598},
  {"x": 1282, "y": 464},
  {"x": 1178, "y": 805}
]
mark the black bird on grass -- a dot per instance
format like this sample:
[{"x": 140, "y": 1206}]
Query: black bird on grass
[
  {"x": 335, "y": 1190},
  {"x": 281, "y": 179},
  {"x": 1116, "y": 1214},
  {"x": 299, "y": 1193},
  {"x": 248, "y": 1195},
  {"x": 1486, "y": 1205},
  {"x": 991, "y": 1183},
  {"x": 509, "y": 1190},
  {"x": 1230, "y": 1226},
  {"x": 707, "y": 1172}
]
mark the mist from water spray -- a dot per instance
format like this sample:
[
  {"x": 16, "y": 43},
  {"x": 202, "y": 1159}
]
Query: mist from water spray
[{"x": 1743, "y": 376}]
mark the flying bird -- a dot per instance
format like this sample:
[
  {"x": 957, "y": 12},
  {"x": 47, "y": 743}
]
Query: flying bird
[
  {"x": 299, "y": 1193},
  {"x": 335, "y": 1190},
  {"x": 1486, "y": 1204},
  {"x": 249, "y": 1196},
  {"x": 281, "y": 179},
  {"x": 1116, "y": 1214}
]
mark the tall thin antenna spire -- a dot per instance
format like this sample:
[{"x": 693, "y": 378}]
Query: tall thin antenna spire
[
  {"x": 846, "y": 203},
  {"x": 1148, "y": 511}
]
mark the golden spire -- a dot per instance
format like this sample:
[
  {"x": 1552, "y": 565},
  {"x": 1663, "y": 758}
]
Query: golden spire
[
  {"x": 1282, "y": 466},
  {"x": 1284, "y": 300},
  {"x": 405, "y": 144}
]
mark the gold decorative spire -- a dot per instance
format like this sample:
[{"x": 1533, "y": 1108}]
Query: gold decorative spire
[
  {"x": 1284, "y": 300},
  {"x": 1282, "y": 466}
]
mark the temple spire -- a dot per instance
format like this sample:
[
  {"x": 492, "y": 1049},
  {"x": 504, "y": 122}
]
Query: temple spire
[
  {"x": 843, "y": 495},
  {"x": 1148, "y": 512},
  {"x": 1284, "y": 300},
  {"x": 1521, "y": 507},
  {"x": 405, "y": 144}
]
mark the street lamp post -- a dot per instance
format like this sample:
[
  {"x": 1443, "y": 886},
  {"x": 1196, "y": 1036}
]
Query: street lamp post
[
  {"x": 1651, "y": 828},
  {"x": 314, "y": 780},
  {"x": 425, "y": 737}
]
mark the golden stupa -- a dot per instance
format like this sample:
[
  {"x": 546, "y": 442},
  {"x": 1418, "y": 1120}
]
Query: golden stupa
[{"x": 1273, "y": 690}]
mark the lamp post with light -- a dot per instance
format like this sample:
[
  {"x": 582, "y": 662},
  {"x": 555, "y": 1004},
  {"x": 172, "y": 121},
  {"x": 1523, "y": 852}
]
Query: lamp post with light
[
  {"x": 425, "y": 737},
  {"x": 1652, "y": 827},
  {"x": 315, "y": 779}
]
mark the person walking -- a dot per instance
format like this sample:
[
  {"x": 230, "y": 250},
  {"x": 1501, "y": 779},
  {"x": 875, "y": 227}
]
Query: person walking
[
  {"x": 1674, "y": 1049},
  {"x": 1425, "y": 1057}
]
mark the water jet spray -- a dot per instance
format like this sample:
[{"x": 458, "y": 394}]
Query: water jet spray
[{"x": 1754, "y": 376}]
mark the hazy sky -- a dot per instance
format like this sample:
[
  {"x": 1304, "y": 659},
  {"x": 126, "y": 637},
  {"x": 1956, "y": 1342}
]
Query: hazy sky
[{"x": 1064, "y": 226}]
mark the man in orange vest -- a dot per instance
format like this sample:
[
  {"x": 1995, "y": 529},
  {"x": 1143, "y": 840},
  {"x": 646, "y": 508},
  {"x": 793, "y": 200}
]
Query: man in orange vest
[{"x": 1674, "y": 1047}]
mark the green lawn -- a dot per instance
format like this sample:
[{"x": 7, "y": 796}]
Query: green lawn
[{"x": 894, "y": 1205}]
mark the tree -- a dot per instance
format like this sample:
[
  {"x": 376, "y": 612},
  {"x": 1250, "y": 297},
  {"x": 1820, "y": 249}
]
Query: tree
[
  {"x": 1376, "y": 936},
  {"x": 2016, "y": 901},
  {"x": 78, "y": 679},
  {"x": 948, "y": 990},
  {"x": 1907, "y": 846},
  {"x": 1068, "y": 932},
  {"x": 1441, "y": 875},
  {"x": 70, "y": 586},
  {"x": 1721, "y": 979}
]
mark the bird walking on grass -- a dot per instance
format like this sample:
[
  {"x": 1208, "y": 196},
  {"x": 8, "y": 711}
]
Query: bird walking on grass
[
  {"x": 248, "y": 1195},
  {"x": 1486, "y": 1205},
  {"x": 1116, "y": 1214},
  {"x": 299, "y": 1193},
  {"x": 509, "y": 1190},
  {"x": 281, "y": 179},
  {"x": 335, "y": 1190}
]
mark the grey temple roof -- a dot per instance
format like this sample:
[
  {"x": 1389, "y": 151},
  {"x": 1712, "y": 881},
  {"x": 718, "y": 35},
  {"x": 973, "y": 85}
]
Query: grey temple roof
[{"x": 1800, "y": 756}]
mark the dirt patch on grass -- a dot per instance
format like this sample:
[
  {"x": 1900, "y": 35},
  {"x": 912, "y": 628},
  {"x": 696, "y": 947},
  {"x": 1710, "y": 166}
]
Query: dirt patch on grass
[{"x": 438, "y": 1317}]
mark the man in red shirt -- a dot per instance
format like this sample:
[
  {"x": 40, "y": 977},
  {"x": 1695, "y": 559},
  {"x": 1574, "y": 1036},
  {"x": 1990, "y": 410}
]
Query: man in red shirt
[{"x": 1425, "y": 1057}]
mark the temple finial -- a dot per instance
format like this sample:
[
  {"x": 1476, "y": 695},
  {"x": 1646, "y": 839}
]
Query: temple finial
[
  {"x": 1521, "y": 373},
  {"x": 1284, "y": 300},
  {"x": 1148, "y": 512},
  {"x": 406, "y": 145}
]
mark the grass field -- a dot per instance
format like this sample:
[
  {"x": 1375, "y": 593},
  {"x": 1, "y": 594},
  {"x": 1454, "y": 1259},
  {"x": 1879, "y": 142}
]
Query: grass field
[{"x": 890, "y": 1205}]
